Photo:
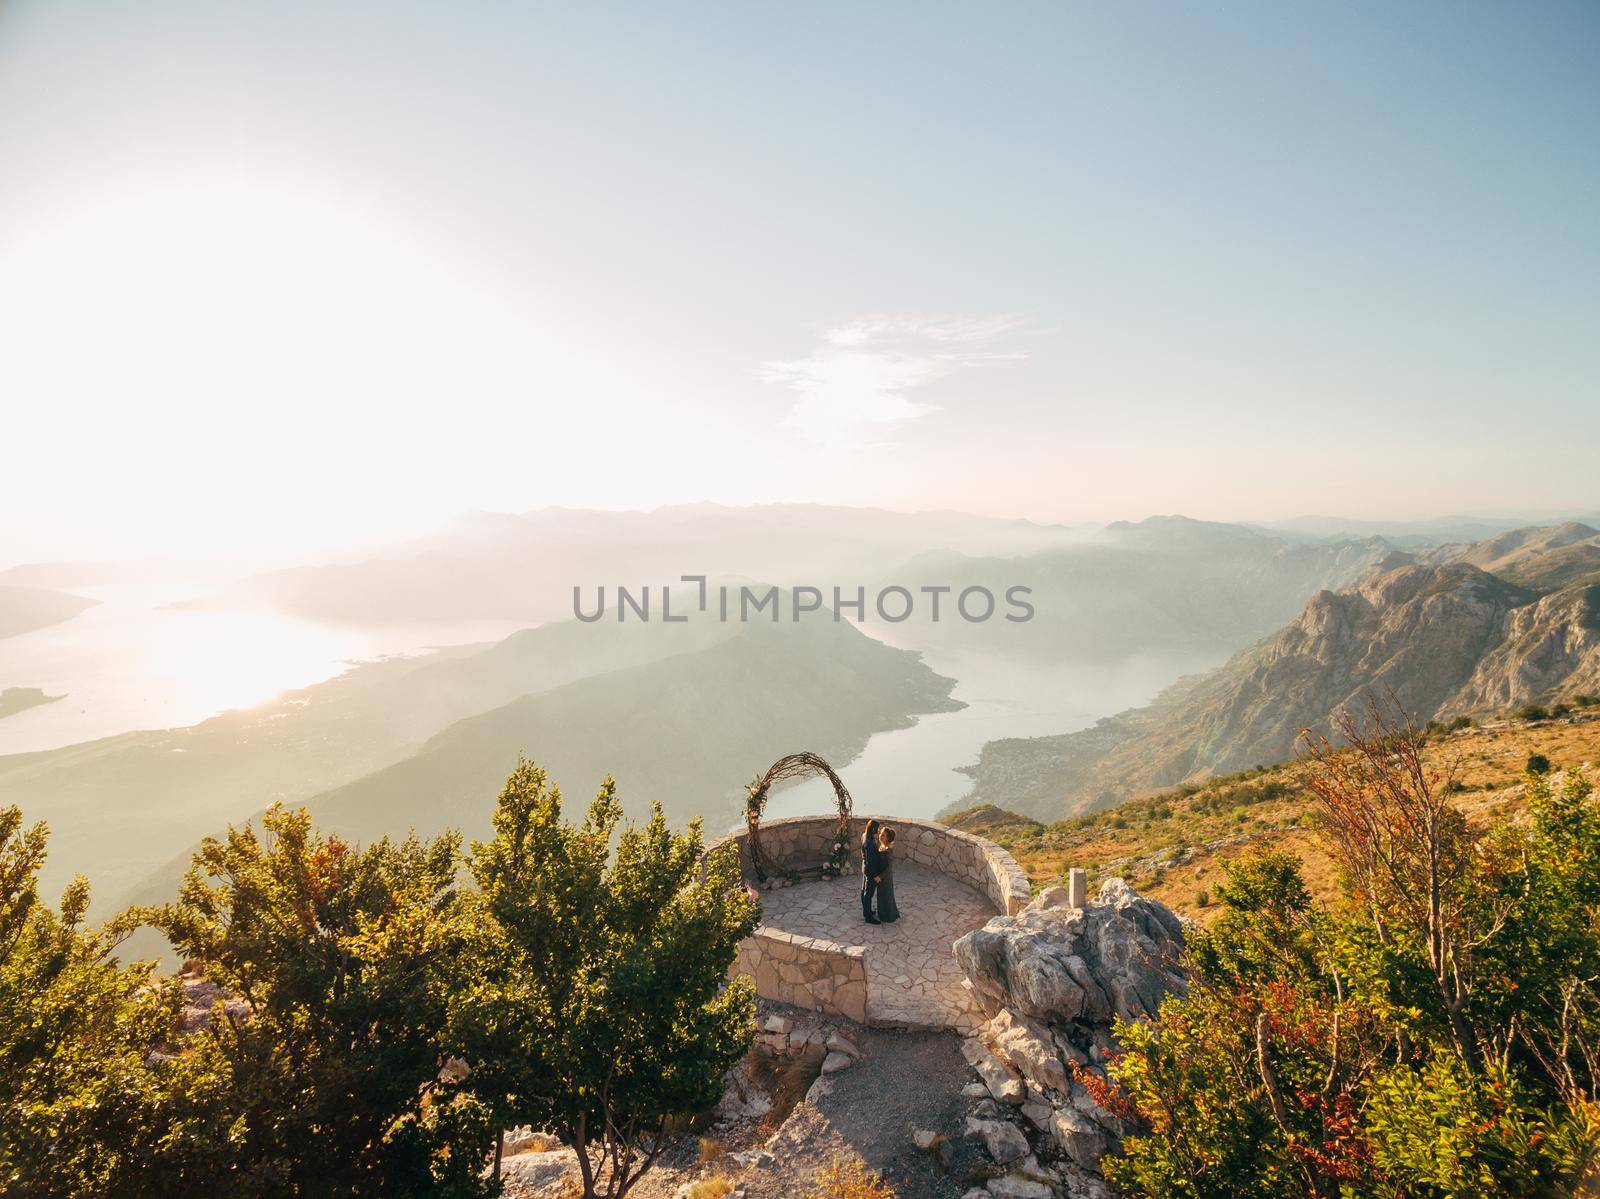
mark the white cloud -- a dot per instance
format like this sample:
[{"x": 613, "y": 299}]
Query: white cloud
[{"x": 858, "y": 377}]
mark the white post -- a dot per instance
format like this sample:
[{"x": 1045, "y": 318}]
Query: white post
[{"x": 1077, "y": 887}]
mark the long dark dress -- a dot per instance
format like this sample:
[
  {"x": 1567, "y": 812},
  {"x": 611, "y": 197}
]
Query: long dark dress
[
  {"x": 871, "y": 865},
  {"x": 887, "y": 910}
]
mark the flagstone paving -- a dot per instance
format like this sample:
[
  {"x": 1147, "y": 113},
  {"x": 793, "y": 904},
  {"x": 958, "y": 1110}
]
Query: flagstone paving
[{"x": 912, "y": 975}]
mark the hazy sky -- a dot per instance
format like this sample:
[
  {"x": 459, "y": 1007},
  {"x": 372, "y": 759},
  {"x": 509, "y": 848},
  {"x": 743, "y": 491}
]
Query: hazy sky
[{"x": 276, "y": 277}]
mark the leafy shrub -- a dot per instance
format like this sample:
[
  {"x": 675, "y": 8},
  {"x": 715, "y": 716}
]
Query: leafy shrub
[
  {"x": 1436, "y": 1034},
  {"x": 599, "y": 1004},
  {"x": 1537, "y": 764},
  {"x": 585, "y": 980}
]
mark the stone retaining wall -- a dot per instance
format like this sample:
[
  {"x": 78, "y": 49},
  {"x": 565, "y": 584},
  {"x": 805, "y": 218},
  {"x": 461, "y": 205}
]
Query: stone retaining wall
[
  {"x": 802, "y": 843},
  {"x": 807, "y": 972},
  {"x": 825, "y": 976}
]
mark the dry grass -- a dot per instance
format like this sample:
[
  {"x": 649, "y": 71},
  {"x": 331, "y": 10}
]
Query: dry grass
[
  {"x": 1208, "y": 823},
  {"x": 850, "y": 1179},
  {"x": 786, "y": 1082},
  {"x": 711, "y": 1149},
  {"x": 711, "y": 1188}
]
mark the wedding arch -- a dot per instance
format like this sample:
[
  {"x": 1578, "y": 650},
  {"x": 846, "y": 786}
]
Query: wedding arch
[{"x": 796, "y": 766}]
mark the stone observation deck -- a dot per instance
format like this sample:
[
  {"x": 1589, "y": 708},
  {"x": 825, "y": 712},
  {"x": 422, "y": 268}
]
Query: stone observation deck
[{"x": 814, "y": 951}]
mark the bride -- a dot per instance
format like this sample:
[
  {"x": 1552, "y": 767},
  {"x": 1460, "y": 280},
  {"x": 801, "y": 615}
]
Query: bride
[{"x": 888, "y": 912}]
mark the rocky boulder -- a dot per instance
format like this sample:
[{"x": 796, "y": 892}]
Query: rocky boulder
[
  {"x": 1053, "y": 978},
  {"x": 1117, "y": 957}
]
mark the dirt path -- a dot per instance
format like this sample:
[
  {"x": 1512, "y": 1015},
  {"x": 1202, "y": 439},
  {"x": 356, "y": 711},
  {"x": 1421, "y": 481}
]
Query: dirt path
[
  {"x": 903, "y": 1083},
  {"x": 907, "y": 1081}
]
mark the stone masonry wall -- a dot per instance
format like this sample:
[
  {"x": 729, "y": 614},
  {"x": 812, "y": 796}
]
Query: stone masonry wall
[
  {"x": 802, "y": 843},
  {"x": 807, "y": 972},
  {"x": 825, "y": 976}
]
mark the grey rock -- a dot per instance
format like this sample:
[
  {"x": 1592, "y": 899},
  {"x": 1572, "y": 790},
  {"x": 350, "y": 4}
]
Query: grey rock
[
  {"x": 835, "y": 1062},
  {"x": 1039, "y": 1115},
  {"x": 520, "y": 1140},
  {"x": 1002, "y": 1139},
  {"x": 1081, "y": 1185},
  {"x": 974, "y": 1090},
  {"x": 1002, "y": 1081},
  {"x": 837, "y": 1044},
  {"x": 1118, "y": 956},
  {"x": 1015, "y": 1186},
  {"x": 1078, "y": 1137},
  {"x": 531, "y": 1171},
  {"x": 936, "y": 1145},
  {"x": 1027, "y": 1047},
  {"x": 1050, "y": 897}
]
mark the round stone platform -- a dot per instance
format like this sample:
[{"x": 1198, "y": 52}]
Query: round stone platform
[
  {"x": 813, "y": 950},
  {"x": 912, "y": 976}
]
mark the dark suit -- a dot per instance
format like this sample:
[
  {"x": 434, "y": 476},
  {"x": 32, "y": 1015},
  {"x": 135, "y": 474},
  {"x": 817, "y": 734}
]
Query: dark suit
[{"x": 871, "y": 868}]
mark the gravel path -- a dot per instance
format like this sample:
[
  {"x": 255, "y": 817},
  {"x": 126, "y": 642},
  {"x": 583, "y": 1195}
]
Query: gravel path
[
  {"x": 904, "y": 1082},
  {"x": 908, "y": 1081}
]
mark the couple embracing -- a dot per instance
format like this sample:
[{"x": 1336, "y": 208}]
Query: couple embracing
[{"x": 877, "y": 874}]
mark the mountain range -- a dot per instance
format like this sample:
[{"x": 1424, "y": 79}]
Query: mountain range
[
  {"x": 23, "y": 609},
  {"x": 1460, "y": 630},
  {"x": 681, "y": 713},
  {"x": 1164, "y": 583},
  {"x": 524, "y": 566}
]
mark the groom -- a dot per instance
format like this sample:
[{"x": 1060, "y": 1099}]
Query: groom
[{"x": 871, "y": 870}]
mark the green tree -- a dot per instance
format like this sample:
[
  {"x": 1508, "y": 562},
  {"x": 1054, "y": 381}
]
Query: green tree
[
  {"x": 1541, "y": 1001},
  {"x": 600, "y": 1006},
  {"x": 346, "y": 958},
  {"x": 1436, "y": 1035},
  {"x": 85, "y": 1108}
]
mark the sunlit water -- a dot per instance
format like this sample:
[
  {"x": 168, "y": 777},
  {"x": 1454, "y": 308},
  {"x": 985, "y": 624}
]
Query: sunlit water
[
  {"x": 913, "y": 772},
  {"x": 131, "y": 662}
]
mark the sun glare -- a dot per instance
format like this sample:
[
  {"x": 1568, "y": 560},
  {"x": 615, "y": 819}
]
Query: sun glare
[{"x": 243, "y": 362}]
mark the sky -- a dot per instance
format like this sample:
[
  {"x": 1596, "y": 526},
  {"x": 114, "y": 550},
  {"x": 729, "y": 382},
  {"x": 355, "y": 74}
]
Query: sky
[{"x": 279, "y": 278}]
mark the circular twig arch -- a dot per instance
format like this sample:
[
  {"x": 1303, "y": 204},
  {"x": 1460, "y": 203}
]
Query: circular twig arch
[{"x": 796, "y": 766}]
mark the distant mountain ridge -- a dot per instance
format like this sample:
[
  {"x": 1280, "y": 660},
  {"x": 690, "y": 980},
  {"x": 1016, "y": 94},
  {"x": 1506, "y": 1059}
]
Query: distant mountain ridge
[
  {"x": 1445, "y": 635},
  {"x": 1544, "y": 558},
  {"x": 687, "y": 730},
  {"x": 1163, "y": 583},
  {"x": 121, "y": 806},
  {"x": 25, "y": 608},
  {"x": 524, "y": 566}
]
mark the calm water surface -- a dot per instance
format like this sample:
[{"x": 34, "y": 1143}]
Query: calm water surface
[
  {"x": 131, "y": 662},
  {"x": 912, "y": 772}
]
